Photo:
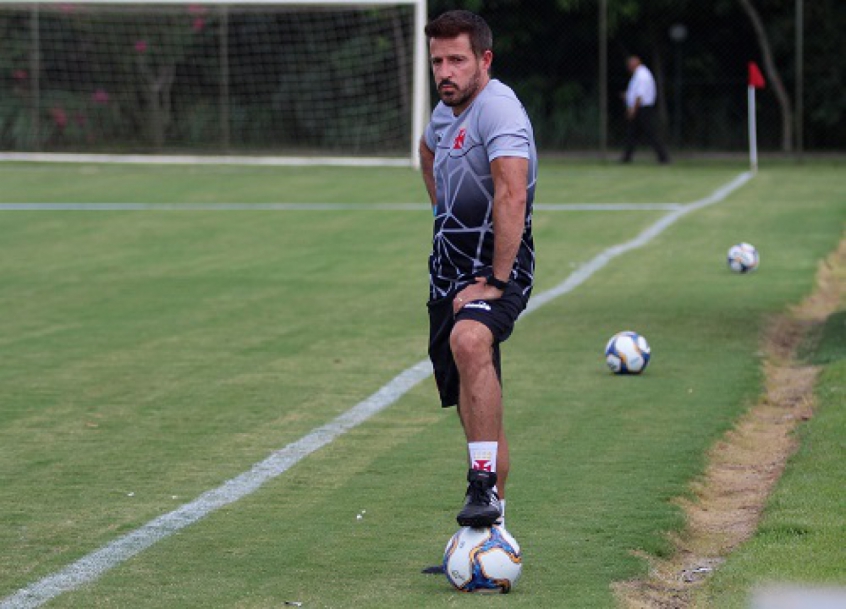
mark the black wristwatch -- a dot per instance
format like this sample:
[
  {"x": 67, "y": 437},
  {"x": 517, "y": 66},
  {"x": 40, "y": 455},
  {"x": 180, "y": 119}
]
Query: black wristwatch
[{"x": 497, "y": 283}]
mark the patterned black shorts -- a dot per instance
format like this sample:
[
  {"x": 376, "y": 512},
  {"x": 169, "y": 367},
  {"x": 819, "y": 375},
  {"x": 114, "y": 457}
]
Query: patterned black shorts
[{"x": 498, "y": 315}]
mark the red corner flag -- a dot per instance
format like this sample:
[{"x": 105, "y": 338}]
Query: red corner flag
[{"x": 756, "y": 79}]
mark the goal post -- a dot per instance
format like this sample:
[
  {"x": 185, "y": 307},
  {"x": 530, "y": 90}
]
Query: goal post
[{"x": 341, "y": 82}]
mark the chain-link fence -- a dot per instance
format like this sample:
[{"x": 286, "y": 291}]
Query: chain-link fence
[
  {"x": 237, "y": 79},
  {"x": 147, "y": 77}
]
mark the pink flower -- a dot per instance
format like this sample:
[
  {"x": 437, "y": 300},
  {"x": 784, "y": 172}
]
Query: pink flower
[
  {"x": 199, "y": 24},
  {"x": 141, "y": 46},
  {"x": 196, "y": 9},
  {"x": 66, "y": 7},
  {"x": 20, "y": 75},
  {"x": 59, "y": 116},
  {"x": 100, "y": 96}
]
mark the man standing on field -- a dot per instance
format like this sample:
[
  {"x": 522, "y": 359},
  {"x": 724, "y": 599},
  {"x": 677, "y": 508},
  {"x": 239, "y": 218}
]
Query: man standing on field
[
  {"x": 640, "y": 98},
  {"x": 480, "y": 167}
]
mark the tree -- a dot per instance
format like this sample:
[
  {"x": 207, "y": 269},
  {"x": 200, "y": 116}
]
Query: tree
[
  {"x": 773, "y": 74},
  {"x": 825, "y": 73},
  {"x": 160, "y": 44}
]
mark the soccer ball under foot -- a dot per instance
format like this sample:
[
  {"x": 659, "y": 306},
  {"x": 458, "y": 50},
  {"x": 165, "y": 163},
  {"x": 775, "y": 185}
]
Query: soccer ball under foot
[{"x": 485, "y": 560}]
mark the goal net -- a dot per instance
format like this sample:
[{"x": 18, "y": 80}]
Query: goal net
[{"x": 266, "y": 80}]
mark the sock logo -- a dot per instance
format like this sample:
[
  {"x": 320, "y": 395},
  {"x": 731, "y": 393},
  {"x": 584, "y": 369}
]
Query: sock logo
[
  {"x": 483, "y": 462},
  {"x": 482, "y": 456},
  {"x": 483, "y": 465}
]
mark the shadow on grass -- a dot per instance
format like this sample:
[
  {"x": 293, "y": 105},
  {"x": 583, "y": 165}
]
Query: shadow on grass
[{"x": 828, "y": 342}]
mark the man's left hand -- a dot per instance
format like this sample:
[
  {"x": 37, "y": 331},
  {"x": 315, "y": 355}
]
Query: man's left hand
[{"x": 475, "y": 291}]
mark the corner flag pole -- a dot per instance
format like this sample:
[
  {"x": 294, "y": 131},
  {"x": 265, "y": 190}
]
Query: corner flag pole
[
  {"x": 756, "y": 81},
  {"x": 753, "y": 131}
]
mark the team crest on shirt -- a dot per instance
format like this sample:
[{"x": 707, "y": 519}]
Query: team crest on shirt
[{"x": 458, "y": 142}]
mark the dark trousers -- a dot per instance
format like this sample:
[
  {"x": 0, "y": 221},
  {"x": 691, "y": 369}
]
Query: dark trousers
[{"x": 644, "y": 126}]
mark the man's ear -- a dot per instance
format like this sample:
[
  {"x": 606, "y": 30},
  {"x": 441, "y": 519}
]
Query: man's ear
[{"x": 487, "y": 59}]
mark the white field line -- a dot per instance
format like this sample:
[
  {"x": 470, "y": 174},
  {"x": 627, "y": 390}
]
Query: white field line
[
  {"x": 176, "y": 159},
  {"x": 581, "y": 274},
  {"x": 314, "y": 206},
  {"x": 607, "y": 206},
  {"x": 92, "y": 566}
]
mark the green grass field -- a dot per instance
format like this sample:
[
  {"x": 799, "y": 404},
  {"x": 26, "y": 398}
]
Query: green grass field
[{"x": 149, "y": 356}]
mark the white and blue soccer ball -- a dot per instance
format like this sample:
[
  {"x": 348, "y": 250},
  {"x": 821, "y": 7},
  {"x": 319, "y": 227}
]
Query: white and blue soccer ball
[
  {"x": 485, "y": 560},
  {"x": 627, "y": 353},
  {"x": 743, "y": 258}
]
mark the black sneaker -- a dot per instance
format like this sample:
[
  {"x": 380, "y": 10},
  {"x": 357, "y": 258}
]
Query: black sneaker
[{"x": 481, "y": 507}]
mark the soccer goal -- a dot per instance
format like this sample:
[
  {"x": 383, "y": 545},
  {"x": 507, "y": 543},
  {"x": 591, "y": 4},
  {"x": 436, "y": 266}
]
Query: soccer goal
[{"x": 260, "y": 82}]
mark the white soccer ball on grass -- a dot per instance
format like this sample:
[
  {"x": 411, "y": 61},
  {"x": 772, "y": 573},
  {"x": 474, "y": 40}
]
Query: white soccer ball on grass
[
  {"x": 743, "y": 258},
  {"x": 627, "y": 353}
]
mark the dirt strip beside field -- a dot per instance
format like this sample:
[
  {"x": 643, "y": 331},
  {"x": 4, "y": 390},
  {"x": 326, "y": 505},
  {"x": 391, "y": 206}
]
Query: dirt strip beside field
[{"x": 744, "y": 466}]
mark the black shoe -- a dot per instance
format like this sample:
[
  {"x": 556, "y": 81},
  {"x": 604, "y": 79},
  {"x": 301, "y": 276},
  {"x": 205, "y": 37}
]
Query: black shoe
[{"x": 481, "y": 506}]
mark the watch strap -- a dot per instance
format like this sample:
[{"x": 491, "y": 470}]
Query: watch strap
[{"x": 497, "y": 283}]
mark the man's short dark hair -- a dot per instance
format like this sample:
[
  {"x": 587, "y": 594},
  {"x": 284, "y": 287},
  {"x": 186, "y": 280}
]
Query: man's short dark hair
[{"x": 454, "y": 23}]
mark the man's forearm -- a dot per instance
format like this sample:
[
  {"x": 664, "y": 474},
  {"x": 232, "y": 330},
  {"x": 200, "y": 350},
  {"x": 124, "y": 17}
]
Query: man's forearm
[
  {"x": 509, "y": 220},
  {"x": 510, "y": 176}
]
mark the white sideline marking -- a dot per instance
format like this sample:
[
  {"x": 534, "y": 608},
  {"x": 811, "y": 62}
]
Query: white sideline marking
[
  {"x": 92, "y": 566},
  {"x": 606, "y": 206},
  {"x": 176, "y": 159},
  {"x": 314, "y": 206},
  {"x": 212, "y": 206},
  {"x": 579, "y": 276}
]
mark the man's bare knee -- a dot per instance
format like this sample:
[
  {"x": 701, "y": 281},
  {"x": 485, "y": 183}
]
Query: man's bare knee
[{"x": 471, "y": 341}]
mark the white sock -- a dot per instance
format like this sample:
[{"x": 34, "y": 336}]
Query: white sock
[{"x": 483, "y": 455}]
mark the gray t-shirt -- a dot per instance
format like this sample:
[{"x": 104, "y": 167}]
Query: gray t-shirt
[{"x": 494, "y": 125}]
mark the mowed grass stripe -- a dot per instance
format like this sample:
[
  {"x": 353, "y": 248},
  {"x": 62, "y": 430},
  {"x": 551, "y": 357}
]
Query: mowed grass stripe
[
  {"x": 92, "y": 566},
  {"x": 562, "y": 181}
]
